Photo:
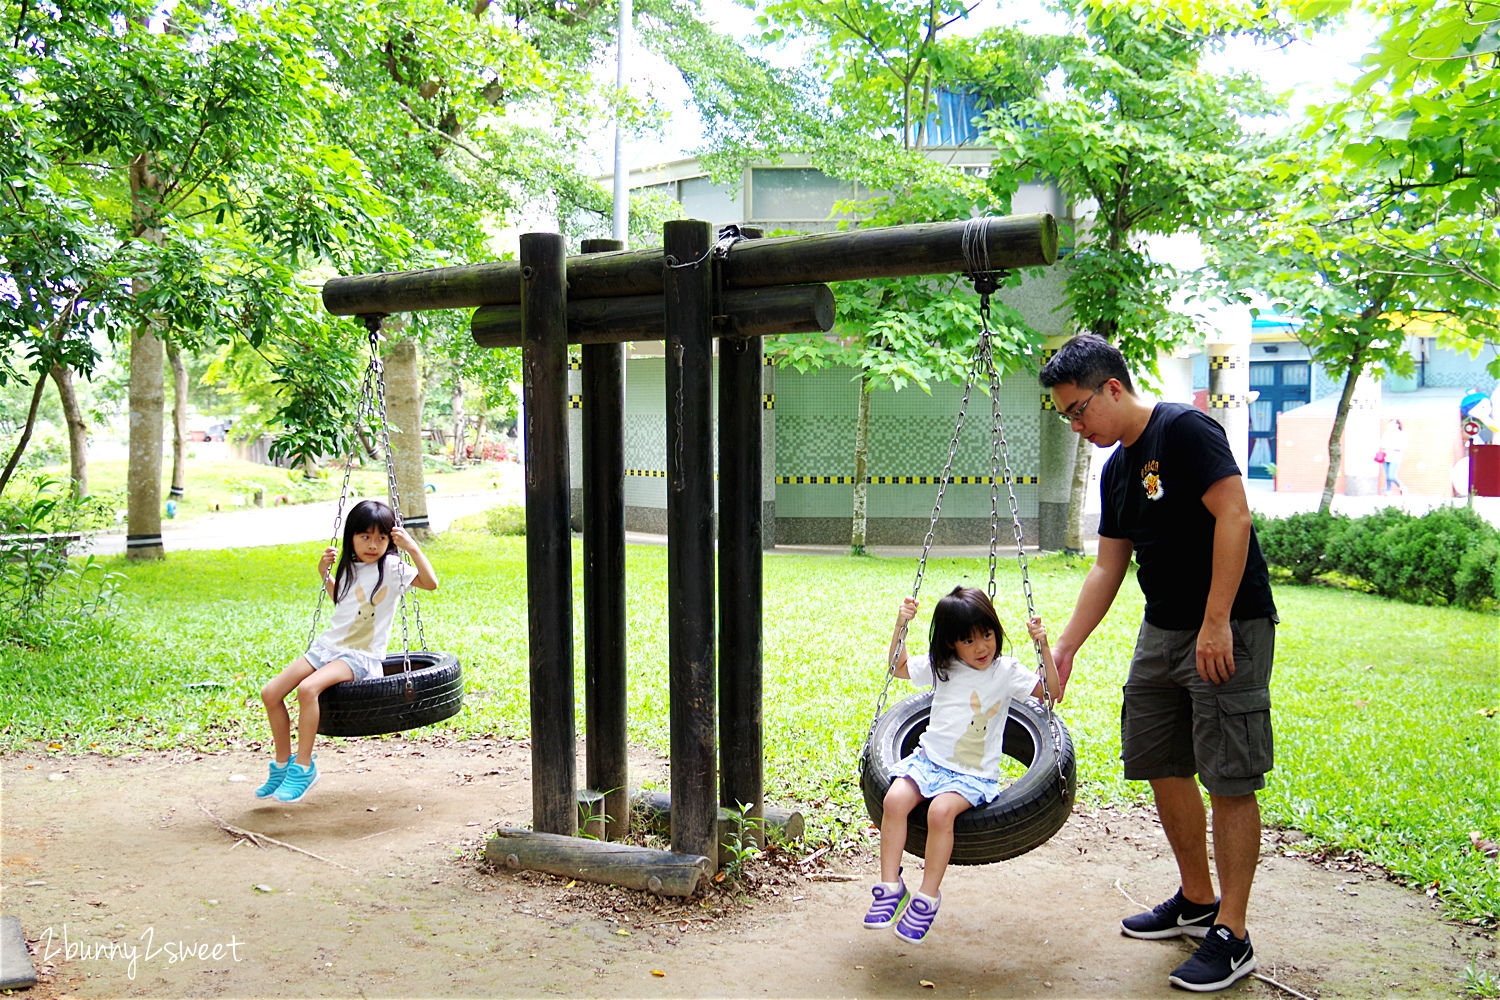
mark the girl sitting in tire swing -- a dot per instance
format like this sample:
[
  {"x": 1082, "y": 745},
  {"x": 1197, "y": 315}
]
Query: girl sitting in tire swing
[
  {"x": 957, "y": 764},
  {"x": 366, "y": 589}
]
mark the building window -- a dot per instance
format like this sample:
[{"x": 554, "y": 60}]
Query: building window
[
  {"x": 699, "y": 197},
  {"x": 795, "y": 193},
  {"x": 702, "y": 199}
]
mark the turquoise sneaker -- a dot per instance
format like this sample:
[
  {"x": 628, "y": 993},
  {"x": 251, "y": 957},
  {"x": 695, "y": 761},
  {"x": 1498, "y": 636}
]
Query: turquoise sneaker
[
  {"x": 298, "y": 780},
  {"x": 278, "y": 775}
]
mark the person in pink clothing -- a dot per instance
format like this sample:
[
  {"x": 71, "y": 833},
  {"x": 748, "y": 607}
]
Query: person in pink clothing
[{"x": 1392, "y": 447}]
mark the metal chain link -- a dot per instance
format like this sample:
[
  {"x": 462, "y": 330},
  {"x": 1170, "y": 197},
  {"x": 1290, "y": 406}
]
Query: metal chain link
[
  {"x": 937, "y": 509},
  {"x": 361, "y": 410},
  {"x": 1000, "y": 448},
  {"x": 975, "y": 248},
  {"x": 384, "y": 428}
]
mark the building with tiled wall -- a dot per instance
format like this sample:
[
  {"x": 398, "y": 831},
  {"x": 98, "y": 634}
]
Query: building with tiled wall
[{"x": 809, "y": 418}]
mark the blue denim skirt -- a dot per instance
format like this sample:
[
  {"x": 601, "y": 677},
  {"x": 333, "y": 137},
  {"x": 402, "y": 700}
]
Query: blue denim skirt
[{"x": 932, "y": 779}]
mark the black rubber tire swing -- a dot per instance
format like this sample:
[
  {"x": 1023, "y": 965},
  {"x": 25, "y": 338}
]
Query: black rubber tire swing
[
  {"x": 380, "y": 705},
  {"x": 420, "y": 687},
  {"x": 1026, "y": 814},
  {"x": 1035, "y": 806}
]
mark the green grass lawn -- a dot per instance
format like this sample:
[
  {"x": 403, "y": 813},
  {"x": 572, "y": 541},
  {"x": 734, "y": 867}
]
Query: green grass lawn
[{"x": 1387, "y": 737}]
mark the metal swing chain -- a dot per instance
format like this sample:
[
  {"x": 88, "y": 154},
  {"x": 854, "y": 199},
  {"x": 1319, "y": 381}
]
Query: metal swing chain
[
  {"x": 1001, "y": 450},
  {"x": 975, "y": 246},
  {"x": 361, "y": 409},
  {"x": 937, "y": 509},
  {"x": 384, "y": 428}
]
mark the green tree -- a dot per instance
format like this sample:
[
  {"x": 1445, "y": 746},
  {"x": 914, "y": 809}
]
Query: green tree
[
  {"x": 1149, "y": 143},
  {"x": 880, "y": 59},
  {"x": 134, "y": 146},
  {"x": 882, "y": 66},
  {"x": 1422, "y": 120},
  {"x": 1383, "y": 216},
  {"x": 270, "y": 146}
]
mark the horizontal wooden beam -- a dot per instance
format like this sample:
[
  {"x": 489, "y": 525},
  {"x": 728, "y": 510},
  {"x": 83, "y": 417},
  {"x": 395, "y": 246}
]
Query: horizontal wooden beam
[
  {"x": 643, "y": 868},
  {"x": 997, "y": 243},
  {"x": 748, "y": 312}
]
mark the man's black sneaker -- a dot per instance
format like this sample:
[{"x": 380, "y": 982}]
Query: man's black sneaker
[
  {"x": 1219, "y": 961},
  {"x": 1175, "y": 917}
]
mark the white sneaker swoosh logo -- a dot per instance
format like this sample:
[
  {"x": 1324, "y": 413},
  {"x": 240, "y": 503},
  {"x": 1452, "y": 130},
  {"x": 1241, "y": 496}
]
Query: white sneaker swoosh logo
[
  {"x": 1185, "y": 922},
  {"x": 1235, "y": 963}
]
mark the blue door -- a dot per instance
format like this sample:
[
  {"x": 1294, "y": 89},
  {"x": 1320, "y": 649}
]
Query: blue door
[{"x": 1283, "y": 385}]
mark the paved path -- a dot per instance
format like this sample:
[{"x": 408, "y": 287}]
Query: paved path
[
  {"x": 280, "y": 525},
  {"x": 1264, "y": 500}
]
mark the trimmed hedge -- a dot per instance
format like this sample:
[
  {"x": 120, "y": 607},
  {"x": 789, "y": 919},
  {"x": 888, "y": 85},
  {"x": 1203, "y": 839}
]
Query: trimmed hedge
[
  {"x": 1298, "y": 543},
  {"x": 1449, "y": 555}
]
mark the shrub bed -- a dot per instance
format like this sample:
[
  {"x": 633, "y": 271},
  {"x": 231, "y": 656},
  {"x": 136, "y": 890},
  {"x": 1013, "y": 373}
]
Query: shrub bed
[{"x": 1449, "y": 555}]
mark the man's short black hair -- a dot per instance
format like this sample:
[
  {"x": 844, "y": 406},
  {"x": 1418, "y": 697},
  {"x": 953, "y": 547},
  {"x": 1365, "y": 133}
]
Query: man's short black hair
[{"x": 1087, "y": 361}]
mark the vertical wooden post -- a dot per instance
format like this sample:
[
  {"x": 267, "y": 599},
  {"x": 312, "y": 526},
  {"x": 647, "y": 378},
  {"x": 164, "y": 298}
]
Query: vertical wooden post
[
  {"x": 742, "y": 770},
  {"x": 604, "y": 682},
  {"x": 688, "y": 316},
  {"x": 549, "y": 548}
]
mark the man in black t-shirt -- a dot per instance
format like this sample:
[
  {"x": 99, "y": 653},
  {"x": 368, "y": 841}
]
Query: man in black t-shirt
[{"x": 1197, "y": 703}]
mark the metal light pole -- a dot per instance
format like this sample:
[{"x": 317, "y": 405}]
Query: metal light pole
[{"x": 622, "y": 185}]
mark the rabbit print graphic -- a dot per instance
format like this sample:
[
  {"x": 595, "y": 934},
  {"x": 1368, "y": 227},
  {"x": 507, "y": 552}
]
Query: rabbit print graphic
[
  {"x": 361, "y": 634},
  {"x": 968, "y": 751}
]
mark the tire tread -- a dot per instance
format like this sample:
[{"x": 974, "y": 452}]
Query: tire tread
[
  {"x": 379, "y": 705},
  {"x": 1027, "y": 813}
]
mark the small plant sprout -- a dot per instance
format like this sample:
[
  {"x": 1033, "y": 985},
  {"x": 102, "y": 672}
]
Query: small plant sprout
[{"x": 742, "y": 842}]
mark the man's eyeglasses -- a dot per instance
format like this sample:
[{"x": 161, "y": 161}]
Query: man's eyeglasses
[{"x": 1068, "y": 416}]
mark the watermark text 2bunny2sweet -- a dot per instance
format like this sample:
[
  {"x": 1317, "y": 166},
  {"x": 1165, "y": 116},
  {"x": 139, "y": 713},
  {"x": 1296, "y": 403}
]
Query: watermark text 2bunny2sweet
[{"x": 146, "y": 948}]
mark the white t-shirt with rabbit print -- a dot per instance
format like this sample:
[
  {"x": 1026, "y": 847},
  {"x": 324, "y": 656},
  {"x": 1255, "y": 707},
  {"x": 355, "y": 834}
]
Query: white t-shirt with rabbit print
[
  {"x": 966, "y": 730},
  {"x": 361, "y": 621}
]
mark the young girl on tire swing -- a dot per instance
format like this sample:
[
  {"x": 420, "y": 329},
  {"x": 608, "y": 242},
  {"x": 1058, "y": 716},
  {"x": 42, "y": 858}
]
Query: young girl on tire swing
[
  {"x": 957, "y": 763},
  {"x": 366, "y": 589}
]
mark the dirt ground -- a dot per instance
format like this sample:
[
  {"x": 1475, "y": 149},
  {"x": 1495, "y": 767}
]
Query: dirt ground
[{"x": 127, "y": 885}]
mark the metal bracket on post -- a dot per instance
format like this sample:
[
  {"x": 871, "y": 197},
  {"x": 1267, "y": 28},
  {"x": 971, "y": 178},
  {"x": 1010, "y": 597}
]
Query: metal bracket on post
[{"x": 373, "y": 322}]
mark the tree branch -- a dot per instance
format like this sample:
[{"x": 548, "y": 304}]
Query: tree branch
[
  {"x": 256, "y": 838},
  {"x": 20, "y": 25},
  {"x": 455, "y": 140}
]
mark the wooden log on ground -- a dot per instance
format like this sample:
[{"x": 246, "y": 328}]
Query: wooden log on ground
[
  {"x": 654, "y": 810},
  {"x": 1003, "y": 243},
  {"x": 748, "y": 312},
  {"x": 661, "y": 872}
]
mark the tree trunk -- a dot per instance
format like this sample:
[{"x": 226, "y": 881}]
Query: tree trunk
[
  {"x": 143, "y": 476},
  {"x": 1336, "y": 436},
  {"x": 15, "y": 456},
  {"x": 1073, "y": 542},
  {"x": 179, "y": 421},
  {"x": 403, "y": 398},
  {"x": 458, "y": 421},
  {"x": 78, "y": 431},
  {"x": 662, "y": 872},
  {"x": 479, "y": 434},
  {"x": 860, "y": 530},
  {"x": 368, "y": 450}
]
